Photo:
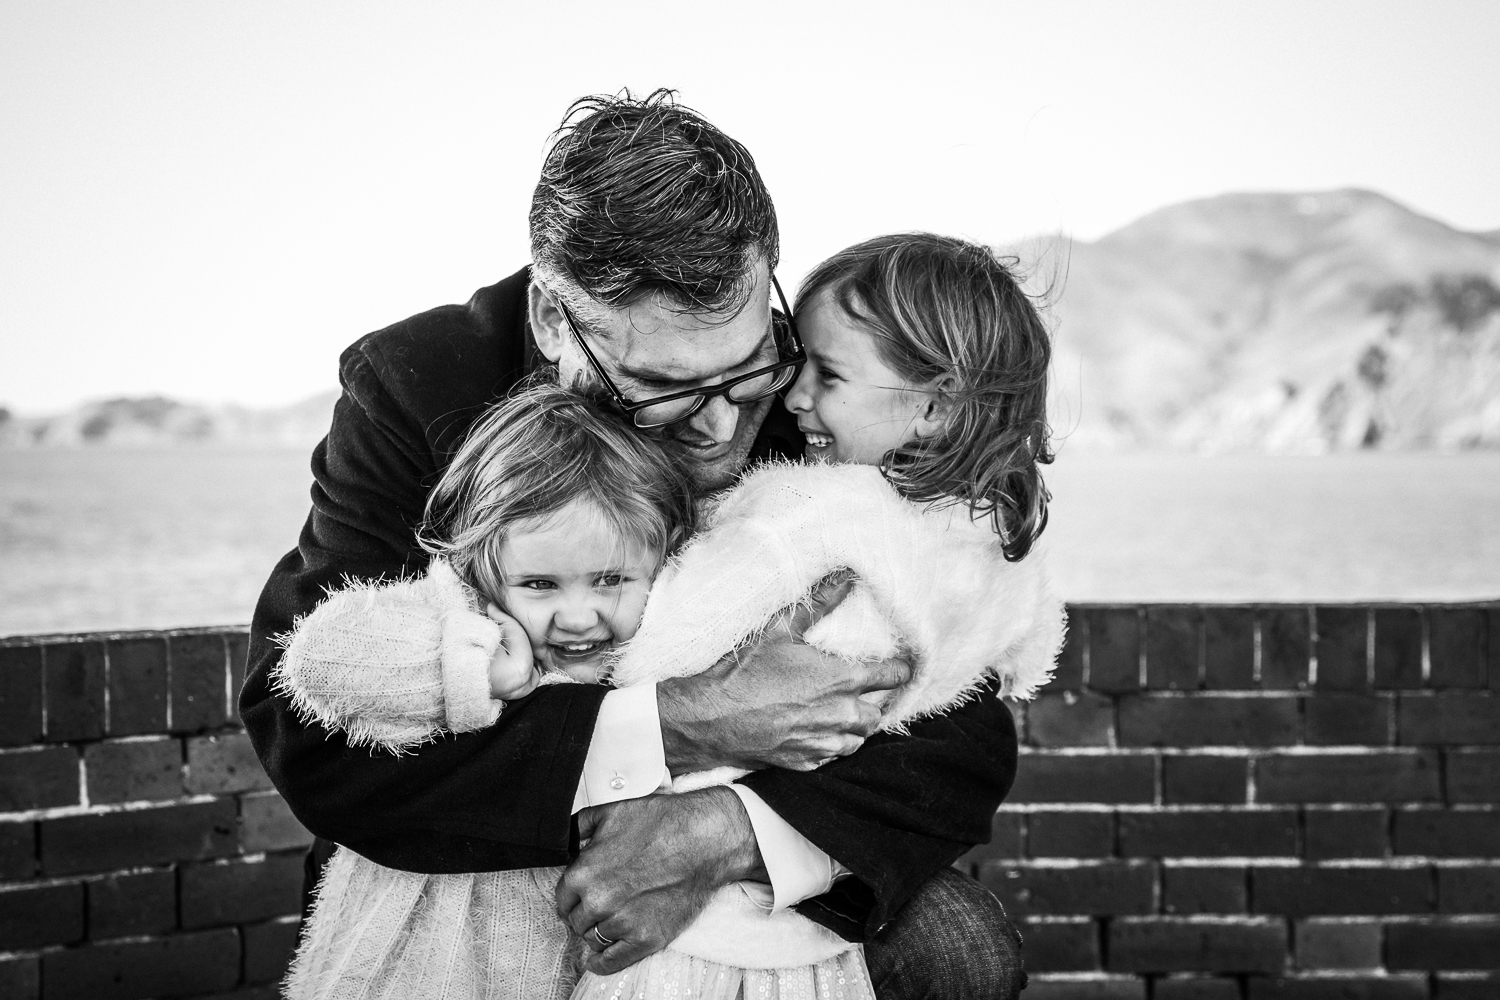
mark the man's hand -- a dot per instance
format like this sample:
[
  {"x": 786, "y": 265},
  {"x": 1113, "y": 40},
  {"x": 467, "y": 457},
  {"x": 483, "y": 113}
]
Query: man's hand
[
  {"x": 776, "y": 703},
  {"x": 649, "y": 867}
]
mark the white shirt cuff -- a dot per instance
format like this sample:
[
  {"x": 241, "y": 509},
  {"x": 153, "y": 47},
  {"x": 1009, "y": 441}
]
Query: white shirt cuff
[
  {"x": 798, "y": 869},
  {"x": 626, "y": 759}
]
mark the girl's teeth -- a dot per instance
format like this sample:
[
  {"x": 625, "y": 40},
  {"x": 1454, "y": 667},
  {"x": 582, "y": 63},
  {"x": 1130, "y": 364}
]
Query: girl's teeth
[{"x": 819, "y": 440}]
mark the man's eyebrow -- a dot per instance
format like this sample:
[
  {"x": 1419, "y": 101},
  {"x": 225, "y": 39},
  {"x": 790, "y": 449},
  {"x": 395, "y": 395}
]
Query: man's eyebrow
[{"x": 662, "y": 378}]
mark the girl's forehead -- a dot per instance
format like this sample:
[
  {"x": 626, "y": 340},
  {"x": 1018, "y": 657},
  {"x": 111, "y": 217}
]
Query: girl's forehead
[{"x": 576, "y": 539}]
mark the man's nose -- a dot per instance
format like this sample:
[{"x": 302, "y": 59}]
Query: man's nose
[{"x": 716, "y": 419}]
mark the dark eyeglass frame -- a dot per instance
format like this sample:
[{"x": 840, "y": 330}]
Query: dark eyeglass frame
[{"x": 784, "y": 333}]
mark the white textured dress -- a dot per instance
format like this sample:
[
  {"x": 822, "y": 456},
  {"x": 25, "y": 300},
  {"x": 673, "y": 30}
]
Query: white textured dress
[{"x": 395, "y": 665}]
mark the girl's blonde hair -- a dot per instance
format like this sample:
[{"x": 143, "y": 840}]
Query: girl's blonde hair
[
  {"x": 949, "y": 314},
  {"x": 533, "y": 454}
]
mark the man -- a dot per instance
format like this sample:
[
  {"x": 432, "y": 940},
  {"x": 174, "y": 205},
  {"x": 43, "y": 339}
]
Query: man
[{"x": 653, "y": 242}]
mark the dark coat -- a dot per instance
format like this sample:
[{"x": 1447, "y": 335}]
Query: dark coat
[{"x": 893, "y": 813}]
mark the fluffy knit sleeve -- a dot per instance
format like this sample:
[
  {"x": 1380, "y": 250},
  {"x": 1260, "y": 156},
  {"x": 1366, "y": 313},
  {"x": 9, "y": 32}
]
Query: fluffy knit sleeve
[{"x": 393, "y": 665}]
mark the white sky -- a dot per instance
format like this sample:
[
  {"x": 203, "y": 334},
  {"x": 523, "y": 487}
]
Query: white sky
[{"x": 211, "y": 199}]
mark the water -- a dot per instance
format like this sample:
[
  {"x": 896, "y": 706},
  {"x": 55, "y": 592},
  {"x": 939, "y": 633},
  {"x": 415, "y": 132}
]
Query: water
[{"x": 116, "y": 539}]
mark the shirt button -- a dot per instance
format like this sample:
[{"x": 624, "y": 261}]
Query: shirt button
[{"x": 617, "y": 783}]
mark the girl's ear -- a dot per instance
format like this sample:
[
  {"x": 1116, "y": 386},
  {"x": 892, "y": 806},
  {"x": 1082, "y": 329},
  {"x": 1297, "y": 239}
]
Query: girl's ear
[
  {"x": 546, "y": 321},
  {"x": 936, "y": 408}
]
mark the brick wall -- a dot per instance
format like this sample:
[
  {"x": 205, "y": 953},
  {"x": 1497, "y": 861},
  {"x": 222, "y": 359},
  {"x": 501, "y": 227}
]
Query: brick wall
[
  {"x": 1274, "y": 802},
  {"x": 1213, "y": 802},
  {"x": 142, "y": 850}
]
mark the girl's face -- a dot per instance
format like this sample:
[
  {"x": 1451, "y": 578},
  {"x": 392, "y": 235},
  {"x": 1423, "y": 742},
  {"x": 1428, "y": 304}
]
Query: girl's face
[
  {"x": 576, "y": 586},
  {"x": 851, "y": 405}
]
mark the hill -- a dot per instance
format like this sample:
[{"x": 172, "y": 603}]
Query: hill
[
  {"x": 158, "y": 421},
  {"x": 1278, "y": 322}
]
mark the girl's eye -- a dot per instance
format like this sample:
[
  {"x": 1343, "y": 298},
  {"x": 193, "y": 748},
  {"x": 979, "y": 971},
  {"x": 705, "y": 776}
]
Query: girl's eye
[
  {"x": 826, "y": 375},
  {"x": 537, "y": 585},
  {"x": 611, "y": 580}
]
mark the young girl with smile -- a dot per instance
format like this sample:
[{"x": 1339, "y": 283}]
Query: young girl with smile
[{"x": 923, "y": 406}]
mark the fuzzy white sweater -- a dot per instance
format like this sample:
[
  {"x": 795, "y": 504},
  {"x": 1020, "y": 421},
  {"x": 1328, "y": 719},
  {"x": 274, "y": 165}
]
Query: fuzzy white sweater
[{"x": 397, "y": 664}]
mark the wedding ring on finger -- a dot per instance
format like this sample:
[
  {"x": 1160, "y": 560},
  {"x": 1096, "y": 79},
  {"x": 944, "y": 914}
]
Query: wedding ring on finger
[{"x": 604, "y": 942}]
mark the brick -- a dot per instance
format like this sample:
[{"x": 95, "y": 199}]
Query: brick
[
  {"x": 1456, "y": 647},
  {"x": 233, "y": 892},
  {"x": 1204, "y": 779},
  {"x": 1446, "y": 834},
  {"x": 34, "y": 916},
  {"x": 75, "y": 690},
  {"x": 1343, "y": 833},
  {"x": 1069, "y": 673},
  {"x": 1207, "y": 720},
  {"x": 1105, "y": 888},
  {"x": 1048, "y": 778},
  {"x": 224, "y": 763},
  {"x": 161, "y": 835},
  {"x": 1392, "y": 777},
  {"x": 269, "y": 947},
  {"x": 1312, "y": 891},
  {"x": 1472, "y": 775},
  {"x": 1469, "y": 889},
  {"x": 133, "y": 904},
  {"x": 1443, "y": 945},
  {"x": 1285, "y": 647},
  {"x": 38, "y": 778},
  {"x": 1204, "y": 889},
  {"x": 20, "y": 977},
  {"x": 1449, "y": 717},
  {"x": 1228, "y": 648},
  {"x": 1114, "y": 988},
  {"x": 1114, "y": 649},
  {"x": 1070, "y": 834},
  {"x": 1467, "y": 986},
  {"x": 199, "y": 682},
  {"x": 1398, "y": 648},
  {"x": 1070, "y": 719},
  {"x": 207, "y": 962},
  {"x": 1005, "y": 838},
  {"x": 1173, "y": 644},
  {"x": 1217, "y": 833},
  {"x": 137, "y": 686},
  {"x": 1194, "y": 988},
  {"x": 1337, "y": 944},
  {"x": 133, "y": 770},
  {"x": 17, "y": 850},
  {"x": 20, "y": 695},
  {"x": 1173, "y": 944},
  {"x": 1058, "y": 946},
  {"x": 1320, "y": 987},
  {"x": 1348, "y": 719},
  {"x": 1342, "y": 648},
  {"x": 267, "y": 824},
  {"x": 237, "y": 648}
]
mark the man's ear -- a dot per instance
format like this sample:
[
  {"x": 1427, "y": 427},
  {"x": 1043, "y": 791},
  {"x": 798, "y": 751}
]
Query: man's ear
[
  {"x": 547, "y": 321},
  {"x": 937, "y": 407}
]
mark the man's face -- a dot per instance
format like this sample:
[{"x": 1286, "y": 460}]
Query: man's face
[{"x": 650, "y": 348}]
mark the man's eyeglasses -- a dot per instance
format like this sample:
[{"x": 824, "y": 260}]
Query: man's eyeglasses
[{"x": 659, "y": 411}]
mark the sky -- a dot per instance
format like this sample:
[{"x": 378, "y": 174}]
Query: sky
[{"x": 210, "y": 200}]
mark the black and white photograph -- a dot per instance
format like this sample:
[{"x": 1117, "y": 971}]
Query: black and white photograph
[{"x": 591, "y": 501}]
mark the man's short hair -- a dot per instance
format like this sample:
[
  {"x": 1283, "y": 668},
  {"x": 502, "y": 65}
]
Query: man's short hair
[{"x": 643, "y": 197}]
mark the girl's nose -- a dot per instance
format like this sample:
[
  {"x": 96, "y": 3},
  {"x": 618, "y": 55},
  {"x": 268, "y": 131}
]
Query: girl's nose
[
  {"x": 799, "y": 396},
  {"x": 578, "y": 616}
]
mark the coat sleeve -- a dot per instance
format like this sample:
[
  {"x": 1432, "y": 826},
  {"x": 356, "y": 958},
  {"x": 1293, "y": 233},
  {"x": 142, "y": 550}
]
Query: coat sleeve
[
  {"x": 393, "y": 666},
  {"x": 899, "y": 809},
  {"x": 497, "y": 798}
]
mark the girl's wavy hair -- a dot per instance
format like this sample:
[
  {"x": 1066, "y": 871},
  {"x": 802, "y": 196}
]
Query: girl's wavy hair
[
  {"x": 950, "y": 314},
  {"x": 533, "y": 454}
]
